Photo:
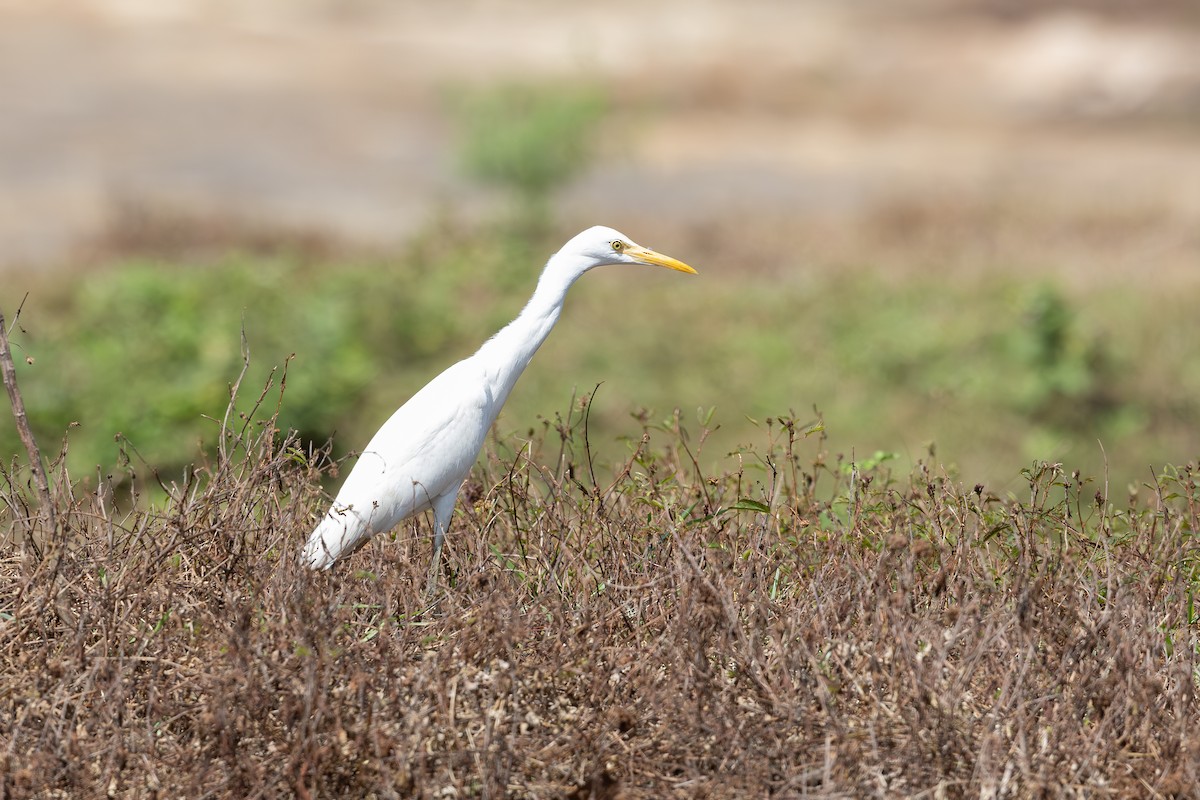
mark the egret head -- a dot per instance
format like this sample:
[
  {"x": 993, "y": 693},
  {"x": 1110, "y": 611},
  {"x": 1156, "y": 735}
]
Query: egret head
[{"x": 600, "y": 246}]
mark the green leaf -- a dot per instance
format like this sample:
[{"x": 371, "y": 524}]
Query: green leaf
[{"x": 746, "y": 504}]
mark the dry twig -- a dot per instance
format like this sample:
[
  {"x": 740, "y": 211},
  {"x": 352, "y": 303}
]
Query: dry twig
[{"x": 9, "y": 371}]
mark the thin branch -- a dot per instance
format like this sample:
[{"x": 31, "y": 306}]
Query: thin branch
[
  {"x": 9, "y": 371},
  {"x": 62, "y": 605},
  {"x": 587, "y": 445},
  {"x": 233, "y": 393}
]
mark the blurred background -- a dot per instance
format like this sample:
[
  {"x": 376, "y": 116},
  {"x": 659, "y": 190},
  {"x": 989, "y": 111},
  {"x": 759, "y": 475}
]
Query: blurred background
[{"x": 965, "y": 227}]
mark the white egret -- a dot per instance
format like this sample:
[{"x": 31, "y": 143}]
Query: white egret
[{"x": 422, "y": 454}]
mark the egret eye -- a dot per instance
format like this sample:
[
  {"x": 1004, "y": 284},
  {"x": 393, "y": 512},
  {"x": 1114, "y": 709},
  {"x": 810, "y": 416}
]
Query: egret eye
[{"x": 617, "y": 245}]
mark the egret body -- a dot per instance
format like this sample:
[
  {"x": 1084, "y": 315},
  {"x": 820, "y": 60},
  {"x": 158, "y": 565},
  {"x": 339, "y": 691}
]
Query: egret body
[{"x": 422, "y": 454}]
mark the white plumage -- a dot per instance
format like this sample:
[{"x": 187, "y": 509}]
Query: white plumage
[{"x": 421, "y": 455}]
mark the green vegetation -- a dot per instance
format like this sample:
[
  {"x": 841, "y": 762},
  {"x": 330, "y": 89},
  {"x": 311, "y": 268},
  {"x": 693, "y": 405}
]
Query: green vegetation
[
  {"x": 995, "y": 374},
  {"x": 149, "y": 351},
  {"x": 529, "y": 139}
]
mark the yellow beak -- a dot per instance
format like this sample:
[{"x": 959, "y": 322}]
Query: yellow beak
[{"x": 648, "y": 256}]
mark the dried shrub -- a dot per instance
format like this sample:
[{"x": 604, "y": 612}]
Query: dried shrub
[{"x": 798, "y": 626}]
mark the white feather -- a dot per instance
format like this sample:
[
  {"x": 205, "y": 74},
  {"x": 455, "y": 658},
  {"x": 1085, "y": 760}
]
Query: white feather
[{"x": 421, "y": 455}]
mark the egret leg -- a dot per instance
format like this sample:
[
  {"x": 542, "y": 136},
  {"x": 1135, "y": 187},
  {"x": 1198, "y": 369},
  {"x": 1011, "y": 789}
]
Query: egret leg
[{"x": 443, "y": 509}]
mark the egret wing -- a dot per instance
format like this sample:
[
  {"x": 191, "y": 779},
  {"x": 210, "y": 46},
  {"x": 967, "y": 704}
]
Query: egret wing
[
  {"x": 422, "y": 452},
  {"x": 425, "y": 449}
]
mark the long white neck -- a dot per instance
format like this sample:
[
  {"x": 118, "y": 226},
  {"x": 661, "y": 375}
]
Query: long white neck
[{"x": 506, "y": 354}]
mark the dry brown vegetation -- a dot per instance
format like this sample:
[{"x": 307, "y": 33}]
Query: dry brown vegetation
[{"x": 642, "y": 631}]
